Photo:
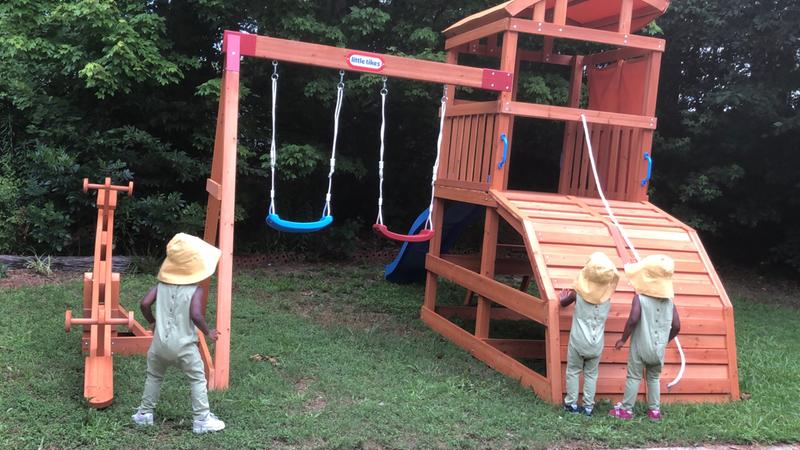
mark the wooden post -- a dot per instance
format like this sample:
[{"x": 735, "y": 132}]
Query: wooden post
[
  {"x": 538, "y": 11},
  {"x": 571, "y": 128},
  {"x": 230, "y": 107},
  {"x": 560, "y": 12},
  {"x": 431, "y": 280},
  {"x": 508, "y": 60},
  {"x": 636, "y": 190},
  {"x": 488, "y": 258},
  {"x": 625, "y": 14}
]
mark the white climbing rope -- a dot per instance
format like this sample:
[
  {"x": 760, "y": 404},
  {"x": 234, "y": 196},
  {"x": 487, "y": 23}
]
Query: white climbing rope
[
  {"x": 384, "y": 93},
  {"x": 339, "y": 97},
  {"x": 272, "y": 153},
  {"x": 624, "y": 235},
  {"x": 429, "y": 221}
]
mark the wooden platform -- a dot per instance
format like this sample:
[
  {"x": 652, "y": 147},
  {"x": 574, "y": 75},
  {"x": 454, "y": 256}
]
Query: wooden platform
[{"x": 560, "y": 232}]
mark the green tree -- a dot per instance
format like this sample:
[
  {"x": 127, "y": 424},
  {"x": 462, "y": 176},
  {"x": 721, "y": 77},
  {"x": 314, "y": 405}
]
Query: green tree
[{"x": 727, "y": 157}]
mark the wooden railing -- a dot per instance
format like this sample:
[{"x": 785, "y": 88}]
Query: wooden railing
[
  {"x": 467, "y": 145},
  {"x": 618, "y": 152}
]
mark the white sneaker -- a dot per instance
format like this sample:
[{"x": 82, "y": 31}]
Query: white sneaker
[
  {"x": 209, "y": 424},
  {"x": 142, "y": 419}
]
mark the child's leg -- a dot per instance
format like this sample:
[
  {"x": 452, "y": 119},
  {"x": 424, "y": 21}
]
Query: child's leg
[
  {"x": 156, "y": 367},
  {"x": 635, "y": 368},
  {"x": 590, "y": 369},
  {"x": 653, "y": 387},
  {"x": 192, "y": 365},
  {"x": 574, "y": 367}
]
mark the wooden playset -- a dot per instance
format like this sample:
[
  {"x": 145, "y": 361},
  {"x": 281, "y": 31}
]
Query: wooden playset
[
  {"x": 557, "y": 231},
  {"x": 102, "y": 313}
]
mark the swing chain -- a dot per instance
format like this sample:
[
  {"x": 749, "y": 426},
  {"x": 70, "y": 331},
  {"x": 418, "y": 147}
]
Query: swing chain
[
  {"x": 341, "y": 80},
  {"x": 274, "y": 70}
]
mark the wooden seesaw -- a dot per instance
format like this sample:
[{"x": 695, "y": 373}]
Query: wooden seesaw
[{"x": 102, "y": 313}]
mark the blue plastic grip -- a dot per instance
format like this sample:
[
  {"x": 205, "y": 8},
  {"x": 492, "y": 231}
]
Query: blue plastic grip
[
  {"x": 649, "y": 168},
  {"x": 274, "y": 221},
  {"x": 505, "y": 150}
]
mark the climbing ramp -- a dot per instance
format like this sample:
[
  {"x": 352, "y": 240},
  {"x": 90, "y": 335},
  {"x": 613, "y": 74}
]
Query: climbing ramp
[{"x": 560, "y": 232}]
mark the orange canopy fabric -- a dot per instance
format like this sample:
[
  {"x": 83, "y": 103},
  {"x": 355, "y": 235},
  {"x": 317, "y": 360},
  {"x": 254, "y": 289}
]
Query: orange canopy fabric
[{"x": 617, "y": 87}]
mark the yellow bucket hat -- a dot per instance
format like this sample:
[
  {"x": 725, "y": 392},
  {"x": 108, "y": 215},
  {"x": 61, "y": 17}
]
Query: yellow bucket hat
[
  {"x": 652, "y": 276},
  {"x": 189, "y": 260},
  {"x": 597, "y": 280}
]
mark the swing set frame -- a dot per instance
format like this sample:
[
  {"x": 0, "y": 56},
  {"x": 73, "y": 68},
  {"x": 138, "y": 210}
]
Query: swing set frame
[{"x": 221, "y": 185}]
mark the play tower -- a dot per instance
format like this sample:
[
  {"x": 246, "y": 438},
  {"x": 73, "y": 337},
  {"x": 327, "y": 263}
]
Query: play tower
[{"x": 559, "y": 230}]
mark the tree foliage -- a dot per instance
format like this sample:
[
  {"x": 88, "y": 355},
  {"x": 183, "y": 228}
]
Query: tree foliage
[
  {"x": 729, "y": 126},
  {"x": 129, "y": 89}
]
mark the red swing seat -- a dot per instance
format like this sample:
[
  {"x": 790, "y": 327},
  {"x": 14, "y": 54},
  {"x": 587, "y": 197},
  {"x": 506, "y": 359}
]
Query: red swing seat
[{"x": 422, "y": 236}]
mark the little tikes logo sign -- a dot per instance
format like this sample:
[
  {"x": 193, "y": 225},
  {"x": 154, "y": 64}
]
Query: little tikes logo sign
[{"x": 365, "y": 61}]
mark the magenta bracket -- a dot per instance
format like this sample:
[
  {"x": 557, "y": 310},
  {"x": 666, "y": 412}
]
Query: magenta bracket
[
  {"x": 497, "y": 80},
  {"x": 242, "y": 43},
  {"x": 231, "y": 44}
]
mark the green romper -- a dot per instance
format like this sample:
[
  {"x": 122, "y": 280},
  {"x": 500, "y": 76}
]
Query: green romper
[
  {"x": 585, "y": 347},
  {"x": 175, "y": 344},
  {"x": 648, "y": 343}
]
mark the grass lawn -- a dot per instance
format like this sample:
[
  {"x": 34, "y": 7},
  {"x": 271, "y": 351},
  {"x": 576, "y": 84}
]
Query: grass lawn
[{"x": 347, "y": 363}]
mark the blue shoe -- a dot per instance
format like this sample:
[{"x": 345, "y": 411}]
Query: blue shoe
[{"x": 574, "y": 409}]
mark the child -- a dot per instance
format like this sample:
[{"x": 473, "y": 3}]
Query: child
[
  {"x": 594, "y": 285},
  {"x": 179, "y": 305},
  {"x": 653, "y": 321}
]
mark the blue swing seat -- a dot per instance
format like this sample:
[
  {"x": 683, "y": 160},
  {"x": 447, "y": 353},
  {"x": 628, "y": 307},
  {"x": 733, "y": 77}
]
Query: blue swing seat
[{"x": 274, "y": 221}]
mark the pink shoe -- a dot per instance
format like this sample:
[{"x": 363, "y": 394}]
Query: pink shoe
[
  {"x": 620, "y": 413},
  {"x": 654, "y": 415}
]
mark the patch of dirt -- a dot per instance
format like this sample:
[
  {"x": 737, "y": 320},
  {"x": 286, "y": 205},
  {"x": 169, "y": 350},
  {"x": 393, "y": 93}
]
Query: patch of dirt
[
  {"x": 725, "y": 447},
  {"x": 752, "y": 286},
  {"x": 315, "y": 404},
  {"x": 302, "y": 384},
  {"x": 352, "y": 317},
  {"x": 17, "y": 278}
]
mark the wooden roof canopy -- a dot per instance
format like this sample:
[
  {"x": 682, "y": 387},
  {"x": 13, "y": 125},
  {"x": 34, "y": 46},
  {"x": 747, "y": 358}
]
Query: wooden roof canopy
[{"x": 597, "y": 14}]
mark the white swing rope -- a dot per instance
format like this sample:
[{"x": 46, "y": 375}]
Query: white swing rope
[
  {"x": 429, "y": 220},
  {"x": 384, "y": 92},
  {"x": 339, "y": 97},
  {"x": 272, "y": 153},
  {"x": 624, "y": 235}
]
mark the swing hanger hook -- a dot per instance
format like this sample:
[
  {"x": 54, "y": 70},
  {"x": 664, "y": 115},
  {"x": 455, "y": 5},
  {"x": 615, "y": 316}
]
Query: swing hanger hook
[
  {"x": 384, "y": 90},
  {"x": 341, "y": 79},
  {"x": 274, "y": 69}
]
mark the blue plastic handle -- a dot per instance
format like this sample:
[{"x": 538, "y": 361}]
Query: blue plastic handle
[
  {"x": 649, "y": 168},
  {"x": 505, "y": 150},
  {"x": 274, "y": 221}
]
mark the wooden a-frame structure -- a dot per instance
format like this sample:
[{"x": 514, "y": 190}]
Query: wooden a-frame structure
[{"x": 558, "y": 230}]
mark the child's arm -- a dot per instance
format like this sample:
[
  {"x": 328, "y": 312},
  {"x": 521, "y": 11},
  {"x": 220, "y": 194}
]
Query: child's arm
[
  {"x": 146, "y": 305},
  {"x": 566, "y": 297},
  {"x": 633, "y": 320},
  {"x": 196, "y": 314},
  {"x": 676, "y": 323}
]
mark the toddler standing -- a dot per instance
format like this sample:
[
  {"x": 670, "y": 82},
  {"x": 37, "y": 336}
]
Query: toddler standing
[
  {"x": 179, "y": 309},
  {"x": 653, "y": 322},
  {"x": 592, "y": 294}
]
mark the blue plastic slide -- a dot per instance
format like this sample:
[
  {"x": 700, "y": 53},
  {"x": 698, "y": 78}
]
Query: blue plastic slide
[{"x": 409, "y": 265}]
